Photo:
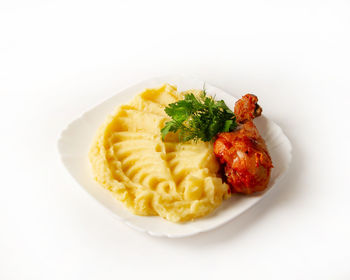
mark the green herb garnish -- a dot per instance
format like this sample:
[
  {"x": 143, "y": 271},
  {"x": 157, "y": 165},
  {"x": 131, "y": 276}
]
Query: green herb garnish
[{"x": 198, "y": 118}]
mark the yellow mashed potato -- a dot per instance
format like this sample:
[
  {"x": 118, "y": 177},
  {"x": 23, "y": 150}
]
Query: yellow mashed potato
[{"x": 177, "y": 181}]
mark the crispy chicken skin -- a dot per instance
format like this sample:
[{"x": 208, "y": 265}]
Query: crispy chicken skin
[
  {"x": 247, "y": 108},
  {"x": 243, "y": 152}
]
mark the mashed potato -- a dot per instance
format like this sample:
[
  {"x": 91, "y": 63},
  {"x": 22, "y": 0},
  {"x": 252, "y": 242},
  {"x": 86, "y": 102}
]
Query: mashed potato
[{"x": 177, "y": 181}]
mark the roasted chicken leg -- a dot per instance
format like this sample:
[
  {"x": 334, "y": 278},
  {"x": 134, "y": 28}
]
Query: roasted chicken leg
[{"x": 243, "y": 152}]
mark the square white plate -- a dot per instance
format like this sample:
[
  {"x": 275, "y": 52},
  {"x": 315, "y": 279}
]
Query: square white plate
[{"x": 76, "y": 139}]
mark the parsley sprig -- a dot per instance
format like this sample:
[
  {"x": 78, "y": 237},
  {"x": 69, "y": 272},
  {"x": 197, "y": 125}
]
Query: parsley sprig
[{"x": 198, "y": 118}]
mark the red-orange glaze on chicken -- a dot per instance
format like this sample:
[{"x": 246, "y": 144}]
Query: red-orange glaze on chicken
[{"x": 243, "y": 152}]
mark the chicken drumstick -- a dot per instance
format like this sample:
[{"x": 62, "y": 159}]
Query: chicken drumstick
[{"x": 243, "y": 152}]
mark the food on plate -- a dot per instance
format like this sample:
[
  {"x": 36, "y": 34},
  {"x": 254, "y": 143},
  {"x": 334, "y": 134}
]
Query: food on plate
[
  {"x": 176, "y": 180},
  {"x": 179, "y": 155},
  {"x": 243, "y": 152}
]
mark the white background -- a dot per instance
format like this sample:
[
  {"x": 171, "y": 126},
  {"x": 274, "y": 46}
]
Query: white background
[{"x": 59, "y": 58}]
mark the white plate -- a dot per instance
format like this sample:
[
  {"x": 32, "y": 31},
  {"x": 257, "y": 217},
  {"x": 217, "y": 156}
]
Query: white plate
[{"x": 75, "y": 140}]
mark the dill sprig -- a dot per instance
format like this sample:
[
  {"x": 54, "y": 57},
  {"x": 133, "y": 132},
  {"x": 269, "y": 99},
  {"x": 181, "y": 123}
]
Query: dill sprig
[{"x": 198, "y": 118}]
